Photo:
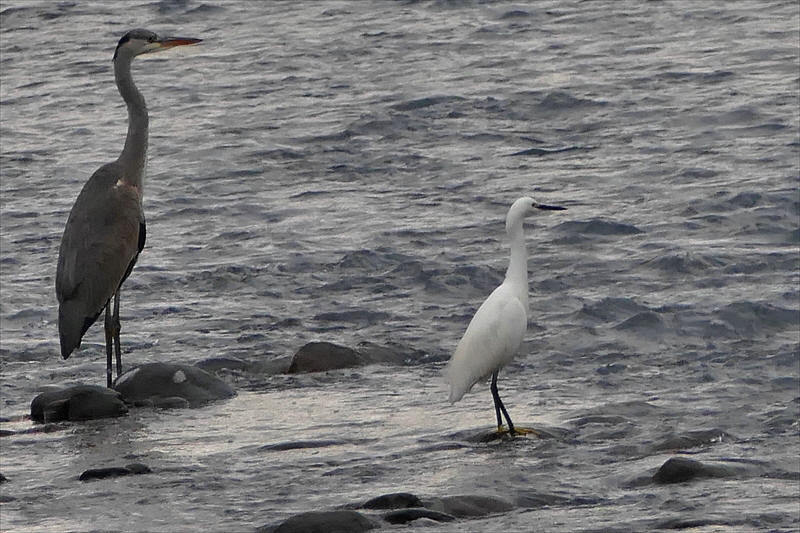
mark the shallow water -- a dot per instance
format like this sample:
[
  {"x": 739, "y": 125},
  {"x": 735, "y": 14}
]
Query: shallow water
[{"x": 340, "y": 171}]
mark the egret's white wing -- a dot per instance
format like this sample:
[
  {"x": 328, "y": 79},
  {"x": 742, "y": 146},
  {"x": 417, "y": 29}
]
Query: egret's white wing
[{"x": 492, "y": 339}]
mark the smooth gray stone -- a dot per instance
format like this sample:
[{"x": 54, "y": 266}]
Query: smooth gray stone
[
  {"x": 76, "y": 403},
  {"x": 162, "y": 383}
]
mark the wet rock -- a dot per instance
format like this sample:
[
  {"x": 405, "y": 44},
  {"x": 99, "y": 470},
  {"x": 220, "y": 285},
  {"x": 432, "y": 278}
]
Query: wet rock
[
  {"x": 693, "y": 439},
  {"x": 114, "y": 471},
  {"x": 162, "y": 383},
  {"x": 323, "y": 356},
  {"x": 648, "y": 322},
  {"x": 491, "y": 435},
  {"x": 340, "y": 521},
  {"x": 271, "y": 367},
  {"x": 395, "y": 500},
  {"x": 403, "y": 516},
  {"x": 3, "y": 479},
  {"x": 466, "y": 506},
  {"x": 532, "y": 499},
  {"x": 172, "y": 402},
  {"x": 301, "y": 445},
  {"x": 371, "y": 353},
  {"x": 215, "y": 364},
  {"x": 78, "y": 402},
  {"x": 682, "y": 469}
]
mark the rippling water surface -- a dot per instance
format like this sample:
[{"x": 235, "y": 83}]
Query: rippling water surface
[{"x": 340, "y": 171}]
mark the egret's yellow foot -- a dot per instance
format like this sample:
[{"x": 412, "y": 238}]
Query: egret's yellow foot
[{"x": 526, "y": 431}]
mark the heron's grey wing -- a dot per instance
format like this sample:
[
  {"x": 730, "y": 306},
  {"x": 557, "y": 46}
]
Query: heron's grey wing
[{"x": 100, "y": 242}]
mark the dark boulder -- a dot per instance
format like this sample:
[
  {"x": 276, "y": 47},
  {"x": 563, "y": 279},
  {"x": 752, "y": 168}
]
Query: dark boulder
[
  {"x": 78, "y": 402},
  {"x": 403, "y": 516},
  {"x": 323, "y": 356},
  {"x": 682, "y": 469},
  {"x": 395, "y": 500},
  {"x": 341, "y": 521},
  {"x": 115, "y": 471},
  {"x": 164, "y": 384}
]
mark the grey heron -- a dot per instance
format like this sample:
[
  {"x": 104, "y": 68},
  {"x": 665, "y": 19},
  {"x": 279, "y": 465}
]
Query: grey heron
[
  {"x": 105, "y": 230},
  {"x": 495, "y": 333}
]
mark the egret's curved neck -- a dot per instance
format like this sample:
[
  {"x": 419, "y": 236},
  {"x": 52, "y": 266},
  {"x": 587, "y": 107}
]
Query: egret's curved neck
[
  {"x": 517, "y": 272},
  {"x": 134, "y": 155}
]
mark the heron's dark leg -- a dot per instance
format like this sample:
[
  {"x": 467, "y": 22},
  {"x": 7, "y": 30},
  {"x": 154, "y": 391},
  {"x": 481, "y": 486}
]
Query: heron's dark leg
[
  {"x": 117, "y": 327},
  {"x": 109, "y": 341},
  {"x": 498, "y": 406}
]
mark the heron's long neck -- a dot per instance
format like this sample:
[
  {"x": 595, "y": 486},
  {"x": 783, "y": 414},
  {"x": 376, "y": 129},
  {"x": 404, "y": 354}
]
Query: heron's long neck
[
  {"x": 517, "y": 272},
  {"x": 134, "y": 155}
]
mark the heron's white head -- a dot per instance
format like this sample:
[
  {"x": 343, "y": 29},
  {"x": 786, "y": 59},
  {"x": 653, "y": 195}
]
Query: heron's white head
[
  {"x": 521, "y": 207},
  {"x": 137, "y": 42}
]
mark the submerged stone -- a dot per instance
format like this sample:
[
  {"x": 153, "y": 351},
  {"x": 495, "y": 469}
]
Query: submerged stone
[
  {"x": 215, "y": 364},
  {"x": 691, "y": 439},
  {"x": 341, "y": 521},
  {"x": 470, "y": 505},
  {"x": 76, "y": 403},
  {"x": 166, "y": 384}
]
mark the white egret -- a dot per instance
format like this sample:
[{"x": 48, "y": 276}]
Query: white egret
[{"x": 495, "y": 333}]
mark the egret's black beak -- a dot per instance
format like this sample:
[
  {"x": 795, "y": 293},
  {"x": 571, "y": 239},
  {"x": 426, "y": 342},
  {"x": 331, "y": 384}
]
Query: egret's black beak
[{"x": 550, "y": 207}]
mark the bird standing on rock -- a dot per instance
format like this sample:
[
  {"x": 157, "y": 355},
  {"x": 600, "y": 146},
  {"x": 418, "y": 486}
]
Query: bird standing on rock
[
  {"x": 105, "y": 230},
  {"x": 495, "y": 333}
]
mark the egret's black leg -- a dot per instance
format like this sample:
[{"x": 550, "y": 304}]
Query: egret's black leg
[
  {"x": 498, "y": 406},
  {"x": 109, "y": 342},
  {"x": 117, "y": 327}
]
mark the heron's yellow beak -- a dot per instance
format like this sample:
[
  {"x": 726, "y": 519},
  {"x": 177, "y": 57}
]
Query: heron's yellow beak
[{"x": 170, "y": 42}]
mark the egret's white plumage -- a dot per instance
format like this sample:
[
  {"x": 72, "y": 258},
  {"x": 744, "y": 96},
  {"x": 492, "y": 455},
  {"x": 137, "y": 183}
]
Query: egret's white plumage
[{"x": 495, "y": 333}]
